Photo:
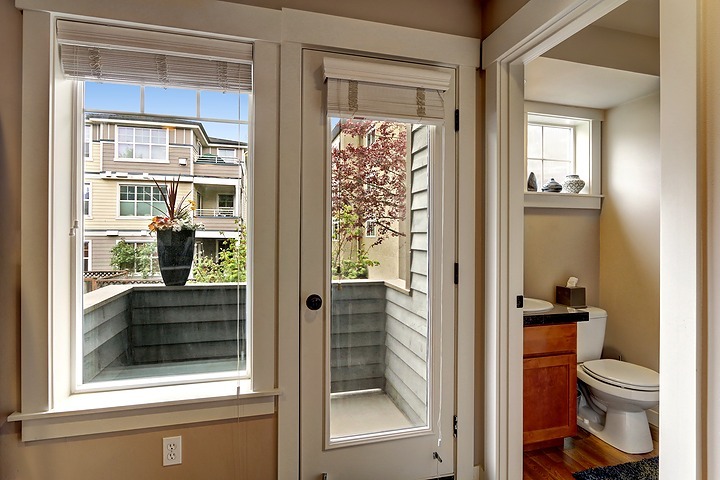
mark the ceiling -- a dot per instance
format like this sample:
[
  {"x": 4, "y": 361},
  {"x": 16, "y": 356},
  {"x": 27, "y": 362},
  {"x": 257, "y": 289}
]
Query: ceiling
[{"x": 566, "y": 83}]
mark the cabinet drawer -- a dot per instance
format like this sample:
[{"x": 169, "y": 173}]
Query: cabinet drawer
[{"x": 549, "y": 339}]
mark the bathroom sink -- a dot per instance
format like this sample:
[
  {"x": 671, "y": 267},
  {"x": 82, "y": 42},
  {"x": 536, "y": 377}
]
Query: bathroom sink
[{"x": 536, "y": 305}]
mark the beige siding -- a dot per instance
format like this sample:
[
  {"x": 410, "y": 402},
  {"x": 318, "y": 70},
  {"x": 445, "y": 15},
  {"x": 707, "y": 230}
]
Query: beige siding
[{"x": 217, "y": 171}]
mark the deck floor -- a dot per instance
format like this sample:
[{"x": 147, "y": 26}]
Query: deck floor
[{"x": 364, "y": 413}]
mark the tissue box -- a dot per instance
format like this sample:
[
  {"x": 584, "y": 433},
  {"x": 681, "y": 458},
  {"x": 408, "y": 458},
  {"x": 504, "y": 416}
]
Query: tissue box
[{"x": 570, "y": 296}]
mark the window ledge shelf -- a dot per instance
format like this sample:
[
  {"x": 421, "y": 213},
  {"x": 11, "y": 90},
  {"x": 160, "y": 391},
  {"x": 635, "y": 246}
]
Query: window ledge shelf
[
  {"x": 92, "y": 413},
  {"x": 562, "y": 200}
]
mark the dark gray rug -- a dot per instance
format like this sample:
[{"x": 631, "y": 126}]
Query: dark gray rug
[{"x": 646, "y": 469}]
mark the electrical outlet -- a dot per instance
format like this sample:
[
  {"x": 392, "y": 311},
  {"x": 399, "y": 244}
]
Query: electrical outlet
[{"x": 172, "y": 451}]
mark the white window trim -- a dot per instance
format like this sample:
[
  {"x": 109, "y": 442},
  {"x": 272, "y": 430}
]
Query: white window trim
[
  {"x": 49, "y": 410},
  {"x": 593, "y": 199},
  {"x": 118, "y": 158}
]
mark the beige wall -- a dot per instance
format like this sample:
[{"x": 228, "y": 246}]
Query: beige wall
[
  {"x": 243, "y": 449},
  {"x": 630, "y": 231},
  {"x": 560, "y": 243}
]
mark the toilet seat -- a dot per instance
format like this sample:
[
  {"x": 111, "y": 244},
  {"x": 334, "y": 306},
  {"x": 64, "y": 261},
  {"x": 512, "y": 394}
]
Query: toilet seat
[{"x": 623, "y": 374}]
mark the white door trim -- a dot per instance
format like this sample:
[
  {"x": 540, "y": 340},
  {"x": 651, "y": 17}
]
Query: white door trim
[{"x": 534, "y": 29}]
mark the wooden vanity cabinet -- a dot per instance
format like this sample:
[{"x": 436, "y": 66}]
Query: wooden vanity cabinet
[{"x": 549, "y": 384}]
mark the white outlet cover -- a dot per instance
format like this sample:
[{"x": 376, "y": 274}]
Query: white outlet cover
[{"x": 172, "y": 451}]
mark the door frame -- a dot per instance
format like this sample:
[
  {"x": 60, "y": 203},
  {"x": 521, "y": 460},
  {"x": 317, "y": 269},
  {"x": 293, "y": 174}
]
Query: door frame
[
  {"x": 305, "y": 29},
  {"x": 534, "y": 29}
]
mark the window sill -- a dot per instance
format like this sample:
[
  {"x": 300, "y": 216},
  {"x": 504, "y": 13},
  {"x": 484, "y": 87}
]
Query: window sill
[
  {"x": 562, "y": 200},
  {"x": 105, "y": 412}
]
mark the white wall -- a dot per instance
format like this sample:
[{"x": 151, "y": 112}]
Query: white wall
[{"x": 630, "y": 230}]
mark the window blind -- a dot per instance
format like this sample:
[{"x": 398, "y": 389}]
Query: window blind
[
  {"x": 361, "y": 89},
  {"x": 126, "y": 55}
]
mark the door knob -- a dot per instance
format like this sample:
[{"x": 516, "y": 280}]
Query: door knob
[{"x": 314, "y": 302}]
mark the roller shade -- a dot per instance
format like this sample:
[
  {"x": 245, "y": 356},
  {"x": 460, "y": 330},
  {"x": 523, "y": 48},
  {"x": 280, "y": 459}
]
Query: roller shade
[
  {"x": 125, "y": 55},
  {"x": 371, "y": 90}
]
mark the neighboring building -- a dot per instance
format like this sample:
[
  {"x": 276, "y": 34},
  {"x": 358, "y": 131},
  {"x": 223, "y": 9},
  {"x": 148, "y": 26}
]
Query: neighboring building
[{"x": 125, "y": 153}]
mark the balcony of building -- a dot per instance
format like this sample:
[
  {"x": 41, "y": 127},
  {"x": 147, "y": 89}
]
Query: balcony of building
[{"x": 378, "y": 355}]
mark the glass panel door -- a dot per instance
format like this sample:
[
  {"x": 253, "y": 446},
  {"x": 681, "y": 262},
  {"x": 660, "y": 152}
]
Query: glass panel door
[{"x": 377, "y": 319}]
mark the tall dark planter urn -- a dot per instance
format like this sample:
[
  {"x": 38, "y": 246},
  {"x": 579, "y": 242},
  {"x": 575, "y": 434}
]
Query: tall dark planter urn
[{"x": 175, "y": 255}]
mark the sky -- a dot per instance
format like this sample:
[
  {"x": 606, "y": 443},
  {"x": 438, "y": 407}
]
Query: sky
[{"x": 182, "y": 103}]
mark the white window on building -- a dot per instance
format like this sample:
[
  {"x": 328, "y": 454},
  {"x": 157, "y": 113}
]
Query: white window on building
[
  {"x": 371, "y": 228},
  {"x": 141, "y": 201},
  {"x": 226, "y": 204},
  {"x": 87, "y": 142},
  {"x": 147, "y": 144},
  {"x": 87, "y": 207},
  {"x": 228, "y": 155},
  {"x": 87, "y": 256}
]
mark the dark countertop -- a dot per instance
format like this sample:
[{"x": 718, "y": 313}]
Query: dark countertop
[{"x": 558, "y": 314}]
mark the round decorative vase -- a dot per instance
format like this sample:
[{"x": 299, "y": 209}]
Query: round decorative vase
[
  {"x": 552, "y": 186},
  {"x": 573, "y": 184},
  {"x": 175, "y": 255}
]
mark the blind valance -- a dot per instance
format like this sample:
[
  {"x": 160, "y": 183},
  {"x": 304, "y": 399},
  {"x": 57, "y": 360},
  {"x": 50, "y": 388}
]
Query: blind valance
[
  {"x": 126, "y": 55},
  {"x": 374, "y": 90}
]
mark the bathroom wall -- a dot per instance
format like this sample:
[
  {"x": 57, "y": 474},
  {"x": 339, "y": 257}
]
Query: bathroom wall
[
  {"x": 560, "y": 243},
  {"x": 630, "y": 231}
]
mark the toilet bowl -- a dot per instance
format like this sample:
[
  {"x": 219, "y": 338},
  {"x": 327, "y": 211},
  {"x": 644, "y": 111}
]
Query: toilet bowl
[{"x": 614, "y": 395}]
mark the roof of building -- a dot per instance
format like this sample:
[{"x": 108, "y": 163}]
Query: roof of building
[{"x": 162, "y": 120}]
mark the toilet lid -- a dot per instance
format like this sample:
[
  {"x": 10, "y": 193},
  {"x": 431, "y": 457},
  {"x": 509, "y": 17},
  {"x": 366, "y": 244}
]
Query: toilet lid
[{"x": 623, "y": 374}]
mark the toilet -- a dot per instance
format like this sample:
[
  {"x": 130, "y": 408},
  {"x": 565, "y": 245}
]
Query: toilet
[{"x": 613, "y": 394}]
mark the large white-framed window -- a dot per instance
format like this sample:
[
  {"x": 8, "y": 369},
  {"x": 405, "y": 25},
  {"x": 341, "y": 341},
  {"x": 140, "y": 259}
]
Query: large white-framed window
[
  {"x": 51, "y": 406},
  {"x": 229, "y": 155},
  {"x": 141, "y": 200},
  {"x": 141, "y": 144}
]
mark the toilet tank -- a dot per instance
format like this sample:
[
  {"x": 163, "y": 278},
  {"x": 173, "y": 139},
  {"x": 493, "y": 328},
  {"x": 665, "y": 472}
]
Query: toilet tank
[{"x": 591, "y": 335}]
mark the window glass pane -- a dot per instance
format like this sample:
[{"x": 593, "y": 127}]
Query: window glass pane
[
  {"x": 534, "y": 141},
  {"x": 373, "y": 355},
  {"x": 227, "y": 131},
  {"x": 557, "y": 143},
  {"x": 127, "y": 208},
  {"x": 556, "y": 170},
  {"x": 158, "y": 153},
  {"x": 221, "y": 105},
  {"x": 194, "y": 340},
  {"x": 535, "y": 166},
  {"x": 112, "y": 97},
  {"x": 171, "y": 101}
]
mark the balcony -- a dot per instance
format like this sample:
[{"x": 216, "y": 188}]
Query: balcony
[
  {"x": 221, "y": 218},
  {"x": 215, "y": 166},
  {"x": 378, "y": 357}
]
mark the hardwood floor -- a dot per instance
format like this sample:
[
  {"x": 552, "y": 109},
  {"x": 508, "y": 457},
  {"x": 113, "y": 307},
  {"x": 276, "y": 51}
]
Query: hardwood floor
[{"x": 579, "y": 453}]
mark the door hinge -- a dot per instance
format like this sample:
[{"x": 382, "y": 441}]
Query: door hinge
[
  {"x": 456, "y": 273},
  {"x": 455, "y": 426},
  {"x": 457, "y": 119}
]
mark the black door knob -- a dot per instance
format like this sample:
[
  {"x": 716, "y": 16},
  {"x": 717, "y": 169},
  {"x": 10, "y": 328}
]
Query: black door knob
[{"x": 314, "y": 302}]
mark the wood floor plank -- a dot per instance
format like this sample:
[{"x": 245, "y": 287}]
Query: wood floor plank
[{"x": 579, "y": 453}]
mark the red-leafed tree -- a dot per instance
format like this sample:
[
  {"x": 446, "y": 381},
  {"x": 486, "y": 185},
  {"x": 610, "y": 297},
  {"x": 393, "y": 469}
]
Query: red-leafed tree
[{"x": 368, "y": 183}]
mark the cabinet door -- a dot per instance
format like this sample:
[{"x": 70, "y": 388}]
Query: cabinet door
[{"x": 549, "y": 398}]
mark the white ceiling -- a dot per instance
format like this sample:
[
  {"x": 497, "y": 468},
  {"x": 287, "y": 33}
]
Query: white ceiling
[
  {"x": 566, "y": 83},
  {"x": 634, "y": 16}
]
